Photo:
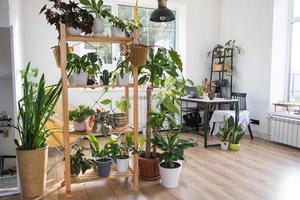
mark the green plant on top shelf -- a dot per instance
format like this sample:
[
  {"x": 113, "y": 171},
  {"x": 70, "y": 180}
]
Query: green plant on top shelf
[
  {"x": 105, "y": 77},
  {"x": 97, "y": 8},
  {"x": 80, "y": 113},
  {"x": 127, "y": 25},
  {"x": 221, "y": 49}
]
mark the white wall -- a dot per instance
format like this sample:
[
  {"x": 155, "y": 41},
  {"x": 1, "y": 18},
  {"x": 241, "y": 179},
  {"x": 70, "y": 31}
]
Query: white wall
[
  {"x": 250, "y": 23},
  {"x": 4, "y": 13}
]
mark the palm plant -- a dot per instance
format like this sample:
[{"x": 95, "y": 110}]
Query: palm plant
[{"x": 35, "y": 108}]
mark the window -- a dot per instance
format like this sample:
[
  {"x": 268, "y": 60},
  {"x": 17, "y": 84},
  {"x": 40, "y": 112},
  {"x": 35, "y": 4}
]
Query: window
[
  {"x": 294, "y": 85},
  {"x": 158, "y": 34}
]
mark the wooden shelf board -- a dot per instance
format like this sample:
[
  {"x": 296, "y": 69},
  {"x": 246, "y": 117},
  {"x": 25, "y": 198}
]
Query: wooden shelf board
[
  {"x": 90, "y": 175},
  {"x": 100, "y": 39},
  {"x": 98, "y": 86}
]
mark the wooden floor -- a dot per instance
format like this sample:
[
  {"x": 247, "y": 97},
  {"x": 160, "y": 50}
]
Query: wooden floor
[{"x": 261, "y": 170}]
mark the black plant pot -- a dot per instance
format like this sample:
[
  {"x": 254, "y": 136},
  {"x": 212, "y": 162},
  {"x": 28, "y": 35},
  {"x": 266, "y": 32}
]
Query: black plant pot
[
  {"x": 104, "y": 167},
  {"x": 91, "y": 81}
]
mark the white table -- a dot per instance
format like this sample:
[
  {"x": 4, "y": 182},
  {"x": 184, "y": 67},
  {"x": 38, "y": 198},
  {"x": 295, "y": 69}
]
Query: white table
[{"x": 205, "y": 103}]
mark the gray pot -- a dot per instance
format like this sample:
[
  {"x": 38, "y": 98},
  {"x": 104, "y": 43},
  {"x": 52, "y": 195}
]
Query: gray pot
[
  {"x": 99, "y": 26},
  {"x": 104, "y": 167},
  {"x": 116, "y": 32}
]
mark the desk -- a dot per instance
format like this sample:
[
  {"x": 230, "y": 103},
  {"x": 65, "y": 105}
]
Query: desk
[{"x": 205, "y": 103}]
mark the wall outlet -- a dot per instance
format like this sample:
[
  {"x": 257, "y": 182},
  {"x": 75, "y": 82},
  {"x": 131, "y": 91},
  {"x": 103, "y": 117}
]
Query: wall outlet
[{"x": 254, "y": 121}]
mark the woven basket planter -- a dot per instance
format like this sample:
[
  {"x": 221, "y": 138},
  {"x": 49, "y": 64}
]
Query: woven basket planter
[
  {"x": 120, "y": 120},
  {"x": 138, "y": 54}
]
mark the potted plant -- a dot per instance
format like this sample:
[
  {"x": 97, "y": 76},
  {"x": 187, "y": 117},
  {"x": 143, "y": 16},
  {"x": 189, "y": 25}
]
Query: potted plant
[
  {"x": 120, "y": 118},
  {"x": 235, "y": 138},
  {"x": 94, "y": 64},
  {"x": 105, "y": 77},
  {"x": 77, "y": 19},
  {"x": 102, "y": 122},
  {"x": 160, "y": 65},
  {"x": 100, "y": 13},
  {"x": 35, "y": 108},
  {"x": 172, "y": 149},
  {"x": 103, "y": 160},
  {"x": 123, "y": 158},
  {"x": 122, "y": 76},
  {"x": 225, "y": 132},
  {"x": 79, "y": 164},
  {"x": 122, "y": 28},
  {"x": 78, "y": 116}
]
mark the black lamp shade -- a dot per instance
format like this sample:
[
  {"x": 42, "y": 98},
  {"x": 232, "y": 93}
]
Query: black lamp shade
[{"x": 162, "y": 14}]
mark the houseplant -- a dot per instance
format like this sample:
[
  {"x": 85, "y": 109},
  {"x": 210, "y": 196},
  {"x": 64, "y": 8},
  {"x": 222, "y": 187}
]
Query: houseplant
[
  {"x": 79, "y": 163},
  {"x": 120, "y": 117},
  {"x": 122, "y": 28},
  {"x": 103, "y": 160},
  {"x": 122, "y": 74},
  {"x": 235, "y": 137},
  {"x": 225, "y": 132},
  {"x": 123, "y": 158},
  {"x": 79, "y": 115},
  {"x": 35, "y": 108},
  {"x": 160, "y": 65},
  {"x": 77, "y": 19},
  {"x": 105, "y": 77},
  {"x": 100, "y": 12},
  {"x": 172, "y": 150}
]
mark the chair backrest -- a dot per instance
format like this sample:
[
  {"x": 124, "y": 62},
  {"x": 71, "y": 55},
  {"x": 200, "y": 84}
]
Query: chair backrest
[{"x": 242, "y": 99}]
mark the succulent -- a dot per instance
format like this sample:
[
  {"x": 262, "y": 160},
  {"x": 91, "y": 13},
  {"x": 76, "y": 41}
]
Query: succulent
[{"x": 105, "y": 77}]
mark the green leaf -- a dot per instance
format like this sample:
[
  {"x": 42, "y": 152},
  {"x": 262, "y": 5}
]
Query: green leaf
[
  {"x": 106, "y": 102},
  {"x": 85, "y": 2}
]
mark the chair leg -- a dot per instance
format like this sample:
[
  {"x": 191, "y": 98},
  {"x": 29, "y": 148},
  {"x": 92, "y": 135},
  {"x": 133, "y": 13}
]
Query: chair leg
[
  {"x": 213, "y": 128},
  {"x": 250, "y": 131}
]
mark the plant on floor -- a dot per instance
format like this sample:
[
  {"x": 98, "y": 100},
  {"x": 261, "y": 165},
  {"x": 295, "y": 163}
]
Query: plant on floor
[
  {"x": 105, "y": 76},
  {"x": 79, "y": 163},
  {"x": 97, "y": 8},
  {"x": 70, "y": 14},
  {"x": 35, "y": 108},
  {"x": 225, "y": 132}
]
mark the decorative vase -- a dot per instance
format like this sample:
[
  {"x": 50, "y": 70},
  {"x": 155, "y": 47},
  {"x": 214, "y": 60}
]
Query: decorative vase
[
  {"x": 80, "y": 126},
  {"x": 169, "y": 176},
  {"x": 234, "y": 147},
  {"x": 32, "y": 165},
  {"x": 73, "y": 31},
  {"x": 149, "y": 168},
  {"x": 224, "y": 145},
  {"x": 99, "y": 26},
  {"x": 104, "y": 167},
  {"x": 122, "y": 164},
  {"x": 117, "y": 32}
]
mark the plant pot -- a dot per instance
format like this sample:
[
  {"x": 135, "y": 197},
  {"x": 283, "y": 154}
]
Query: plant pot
[
  {"x": 180, "y": 162},
  {"x": 32, "y": 165},
  {"x": 78, "y": 79},
  {"x": 123, "y": 81},
  {"x": 234, "y": 147},
  {"x": 120, "y": 120},
  {"x": 99, "y": 26},
  {"x": 116, "y": 32},
  {"x": 104, "y": 167},
  {"x": 224, "y": 145},
  {"x": 73, "y": 31},
  {"x": 149, "y": 168},
  {"x": 138, "y": 54},
  {"x": 169, "y": 176},
  {"x": 104, "y": 129},
  {"x": 122, "y": 164},
  {"x": 80, "y": 126},
  {"x": 56, "y": 52}
]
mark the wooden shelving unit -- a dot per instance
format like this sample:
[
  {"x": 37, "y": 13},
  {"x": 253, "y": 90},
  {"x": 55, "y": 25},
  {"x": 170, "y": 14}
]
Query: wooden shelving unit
[{"x": 64, "y": 38}]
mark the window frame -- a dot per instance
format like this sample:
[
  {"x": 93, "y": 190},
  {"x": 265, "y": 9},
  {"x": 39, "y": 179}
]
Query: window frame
[{"x": 291, "y": 21}]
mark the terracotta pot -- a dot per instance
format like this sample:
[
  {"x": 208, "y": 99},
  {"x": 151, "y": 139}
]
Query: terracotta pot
[
  {"x": 32, "y": 165},
  {"x": 149, "y": 168}
]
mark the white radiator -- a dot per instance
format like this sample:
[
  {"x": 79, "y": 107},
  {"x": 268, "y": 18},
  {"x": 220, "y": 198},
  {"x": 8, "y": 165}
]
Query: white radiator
[{"x": 285, "y": 130}]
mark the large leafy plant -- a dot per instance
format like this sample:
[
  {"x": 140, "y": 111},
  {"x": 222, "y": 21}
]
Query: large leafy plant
[
  {"x": 70, "y": 14},
  {"x": 172, "y": 147},
  {"x": 80, "y": 113},
  {"x": 79, "y": 163},
  {"x": 35, "y": 108},
  {"x": 97, "y": 8},
  {"x": 103, "y": 153}
]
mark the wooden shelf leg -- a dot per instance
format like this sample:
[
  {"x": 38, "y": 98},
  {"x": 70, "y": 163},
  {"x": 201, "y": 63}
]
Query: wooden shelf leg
[{"x": 136, "y": 124}]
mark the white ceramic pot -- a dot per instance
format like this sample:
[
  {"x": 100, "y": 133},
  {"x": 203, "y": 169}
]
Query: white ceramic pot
[
  {"x": 180, "y": 162},
  {"x": 78, "y": 79},
  {"x": 116, "y": 32},
  {"x": 80, "y": 126},
  {"x": 122, "y": 164},
  {"x": 73, "y": 31},
  {"x": 131, "y": 161},
  {"x": 169, "y": 176},
  {"x": 123, "y": 81},
  {"x": 224, "y": 145},
  {"x": 99, "y": 26}
]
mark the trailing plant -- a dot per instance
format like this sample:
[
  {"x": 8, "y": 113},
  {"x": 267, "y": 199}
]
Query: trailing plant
[
  {"x": 97, "y": 8},
  {"x": 221, "y": 49},
  {"x": 79, "y": 163},
  {"x": 35, "y": 108},
  {"x": 105, "y": 76},
  {"x": 80, "y": 113},
  {"x": 172, "y": 147},
  {"x": 70, "y": 14}
]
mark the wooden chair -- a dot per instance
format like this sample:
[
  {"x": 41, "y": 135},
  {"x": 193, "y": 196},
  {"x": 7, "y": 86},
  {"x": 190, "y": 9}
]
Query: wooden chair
[{"x": 243, "y": 109}]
